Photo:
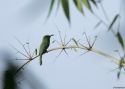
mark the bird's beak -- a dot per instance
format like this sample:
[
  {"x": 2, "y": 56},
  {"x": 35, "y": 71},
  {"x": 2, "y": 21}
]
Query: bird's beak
[{"x": 52, "y": 35}]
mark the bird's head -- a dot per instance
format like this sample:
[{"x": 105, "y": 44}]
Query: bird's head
[{"x": 48, "y": 36}]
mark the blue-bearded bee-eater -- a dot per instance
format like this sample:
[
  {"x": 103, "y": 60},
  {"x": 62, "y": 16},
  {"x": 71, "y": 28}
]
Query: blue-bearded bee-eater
[{"x": 44, "y": 45}]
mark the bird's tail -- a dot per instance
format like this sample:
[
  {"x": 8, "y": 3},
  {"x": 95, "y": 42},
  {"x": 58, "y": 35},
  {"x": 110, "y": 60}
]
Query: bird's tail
[{"x": 40, "y": 60}]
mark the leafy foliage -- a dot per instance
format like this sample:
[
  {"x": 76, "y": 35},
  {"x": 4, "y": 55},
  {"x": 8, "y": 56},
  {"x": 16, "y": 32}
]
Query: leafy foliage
[
  {"x": 86, "y": 3},
  {"x": 36, "y": 51},
  {"x": 120, "y": 66},
  {"x": 120, "y": 39},
  {"x": 65, "y": 6},
  {"x": 93, "y": 1},
  {"x": 78, "y": 5},
  {"x": 51, "y": 6},
  {"x": 74, "y": 41}
]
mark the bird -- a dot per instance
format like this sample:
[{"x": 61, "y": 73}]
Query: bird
[{"x": 44, "y": 45}]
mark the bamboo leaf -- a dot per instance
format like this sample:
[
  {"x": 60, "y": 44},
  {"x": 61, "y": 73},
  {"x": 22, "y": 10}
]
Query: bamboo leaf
[
  {"x": 120, "y": 66},
  {"x": 87, "y": 4},
  {"x": 97, "y": 24},
  {"x": 93, "y": 1},
  {"x": 58, "y": 5},
  {"x": 51, "y": 6},
  {"x": 120, "y": 39},
  {"x": 121, "y": 61},
  {"x": 36, "y": 51},
  {"x": 75, "y": 49},
  {"x": 53, "y": 41},
  {"x": 118, "y": 75},
  {"x": 83, "y": 33},
  {"x": 74, "y": 41},
  {"x": 78, "y": 5},
  {"x": 116, "y": 50},
  {"x": 27, "y": 42},
  {"x": 115, "y": 18},
  {"x": 65, "y": 6}
]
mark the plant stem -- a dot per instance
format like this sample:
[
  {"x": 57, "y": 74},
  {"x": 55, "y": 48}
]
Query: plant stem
[{"x": 69, "y": 47}]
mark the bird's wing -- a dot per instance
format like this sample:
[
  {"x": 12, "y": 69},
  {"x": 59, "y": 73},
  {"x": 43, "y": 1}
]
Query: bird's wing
[
  {"x": 43, "y": 47},
  {"x": 41, "y": 50}
]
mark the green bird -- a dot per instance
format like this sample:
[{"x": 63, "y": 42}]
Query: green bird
[{"x": 44, "y": 45}]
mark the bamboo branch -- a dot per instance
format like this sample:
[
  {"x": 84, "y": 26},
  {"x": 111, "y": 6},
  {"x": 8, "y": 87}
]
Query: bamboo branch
[{"x": 73, "y": 46}]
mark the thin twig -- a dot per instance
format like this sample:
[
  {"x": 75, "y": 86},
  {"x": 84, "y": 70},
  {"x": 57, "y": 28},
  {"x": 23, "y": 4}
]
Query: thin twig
[
  {"x": 20, "y": 81},
  {"x": 120, "y": 15},
  {"x": 22, "y": 45},
  {"x": 119, "y": 54},
  {"x": 17, "y": 50},
  {"x": 82, "y": 54},
  {"x": 57, "y": 42},
  {"x": 58, "y": 55},
  {"x": 96, "y": 38},
  {"x": 65, "y": 52},
  {"x": 21, "y": 68},
  {"x": 33, "y": 53},
  {"x": 104, "y": 23},
  {"x": 94, "y": 41},
  {"x": 65, "y": 36},
  {"x": 104, "y": 11},
  {"x": 59, "y": 34},
  {"x": 87, "y": 40},
  {"x": 67, "y": 42},
  {"x": 17, "y": 59},
  {"x": 29, "y": 47},
  {"x": 112, "y": 70},
  {"x": 26, "y": 65},
  {"x": 83, "y": 46}
]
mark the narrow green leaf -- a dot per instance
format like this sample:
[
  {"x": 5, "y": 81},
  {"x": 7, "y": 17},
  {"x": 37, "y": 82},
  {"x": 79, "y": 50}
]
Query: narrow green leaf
[
  {"x": 27, "y": 42},
  {"x": 74, "y": 41},
  {"x": 36, "y": 51},
  {"x": 93, "y": 1},
  {"x": 95, "y": 37},
  {"x": 78, "y": 5},
  {"x": 58, "y": 5},
  {"x": 75, "y": 49},
  {"x": 53, "y": 41},
  {"x": 121, "y": 62},
  {"x": 115, "y": 18},
  {"x": 118, "y": 75},
  {"x": 120, "y": 66},
  {"x": 116, "y": 50},
  {"x": 83, "y": 33},
  {"x": 97, "y": 24},
  {"x": 50, "y": 9},
  {"x": 65, "y": 6},
  {"x": 120, "y": 39},
  {"x": 86, "y": 3}
]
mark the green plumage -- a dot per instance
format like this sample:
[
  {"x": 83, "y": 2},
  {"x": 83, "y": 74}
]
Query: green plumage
[{"x": 44, "y": 45}]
